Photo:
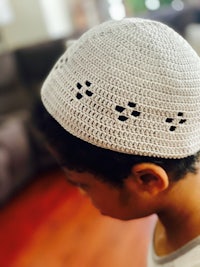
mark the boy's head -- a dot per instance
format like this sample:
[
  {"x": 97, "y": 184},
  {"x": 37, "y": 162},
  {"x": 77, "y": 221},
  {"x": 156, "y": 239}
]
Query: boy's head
[{"x": 124, "y": 95}]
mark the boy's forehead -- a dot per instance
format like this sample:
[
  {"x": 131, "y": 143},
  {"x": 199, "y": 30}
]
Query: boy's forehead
[{"x": 130, "y": 86}]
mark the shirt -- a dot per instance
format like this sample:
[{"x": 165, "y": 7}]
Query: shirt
[{"x": 187, "y": 256}]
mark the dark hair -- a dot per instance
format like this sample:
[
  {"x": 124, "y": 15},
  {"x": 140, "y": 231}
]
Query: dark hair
[{"x": 109, "y": 166}]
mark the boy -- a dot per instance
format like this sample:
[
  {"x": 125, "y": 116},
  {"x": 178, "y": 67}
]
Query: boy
[{"x": 121, "y": 113}]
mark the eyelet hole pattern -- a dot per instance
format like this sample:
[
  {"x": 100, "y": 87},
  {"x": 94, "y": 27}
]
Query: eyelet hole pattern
[
  {"x": 82, "y": 90},
  {"x": 134, "y": 113},
  {"x": 176, "y": 121}
]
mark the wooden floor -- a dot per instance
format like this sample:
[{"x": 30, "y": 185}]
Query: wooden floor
[{"x": 50, "y": 224}]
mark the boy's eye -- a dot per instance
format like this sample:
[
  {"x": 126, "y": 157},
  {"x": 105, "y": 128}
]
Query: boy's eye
[
  {"x": 82, "y": 186},
  {"x": 75, "y": 183},
  {"x": 79, "y": 185}
]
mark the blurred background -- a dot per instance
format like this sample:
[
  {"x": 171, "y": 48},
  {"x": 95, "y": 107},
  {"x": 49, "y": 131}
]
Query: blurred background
[{"x": 33, "y": 34}]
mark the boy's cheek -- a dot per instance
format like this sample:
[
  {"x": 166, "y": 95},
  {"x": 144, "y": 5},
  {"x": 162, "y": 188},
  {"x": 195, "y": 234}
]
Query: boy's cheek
[{"x": 82, "y": 191}]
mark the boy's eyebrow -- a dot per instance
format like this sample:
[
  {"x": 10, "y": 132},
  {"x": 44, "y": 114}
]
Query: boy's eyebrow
[{"x": 68, "y": 179}]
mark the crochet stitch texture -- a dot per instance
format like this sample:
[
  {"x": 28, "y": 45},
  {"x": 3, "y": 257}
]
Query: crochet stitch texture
[{"x": 131, "y": 86}]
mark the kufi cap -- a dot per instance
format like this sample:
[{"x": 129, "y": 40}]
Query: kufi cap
[{"x": 131, "y": 86}]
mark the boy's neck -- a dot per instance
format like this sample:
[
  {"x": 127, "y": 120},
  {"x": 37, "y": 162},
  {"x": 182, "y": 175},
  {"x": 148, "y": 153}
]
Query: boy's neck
[{"x": 179, "y": 221}]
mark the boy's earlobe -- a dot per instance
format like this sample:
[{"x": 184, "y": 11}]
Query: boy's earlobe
[{"x": 150, "y": 178}]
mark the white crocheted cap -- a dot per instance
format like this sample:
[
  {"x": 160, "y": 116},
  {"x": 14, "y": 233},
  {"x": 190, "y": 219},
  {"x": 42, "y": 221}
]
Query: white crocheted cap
[{"x": 131, "y": 86}]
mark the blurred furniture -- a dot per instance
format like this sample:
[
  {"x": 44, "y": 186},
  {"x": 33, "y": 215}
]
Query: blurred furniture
[
  {"x": 22, "y": 155},
  {"x": 22, "y": 72},
  {"x": 21, "y": 75},
  {"x": 35, "y": 62},
  {"x": 11, "y": 96},
  {"x": 8, "y": 71}
]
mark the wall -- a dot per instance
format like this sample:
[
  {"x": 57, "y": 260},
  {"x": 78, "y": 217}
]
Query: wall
[{"x": 27, "y": 27}]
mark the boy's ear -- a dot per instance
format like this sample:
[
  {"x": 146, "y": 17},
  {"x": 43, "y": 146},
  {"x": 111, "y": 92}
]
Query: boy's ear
[{"x": 150, "y": 178}]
